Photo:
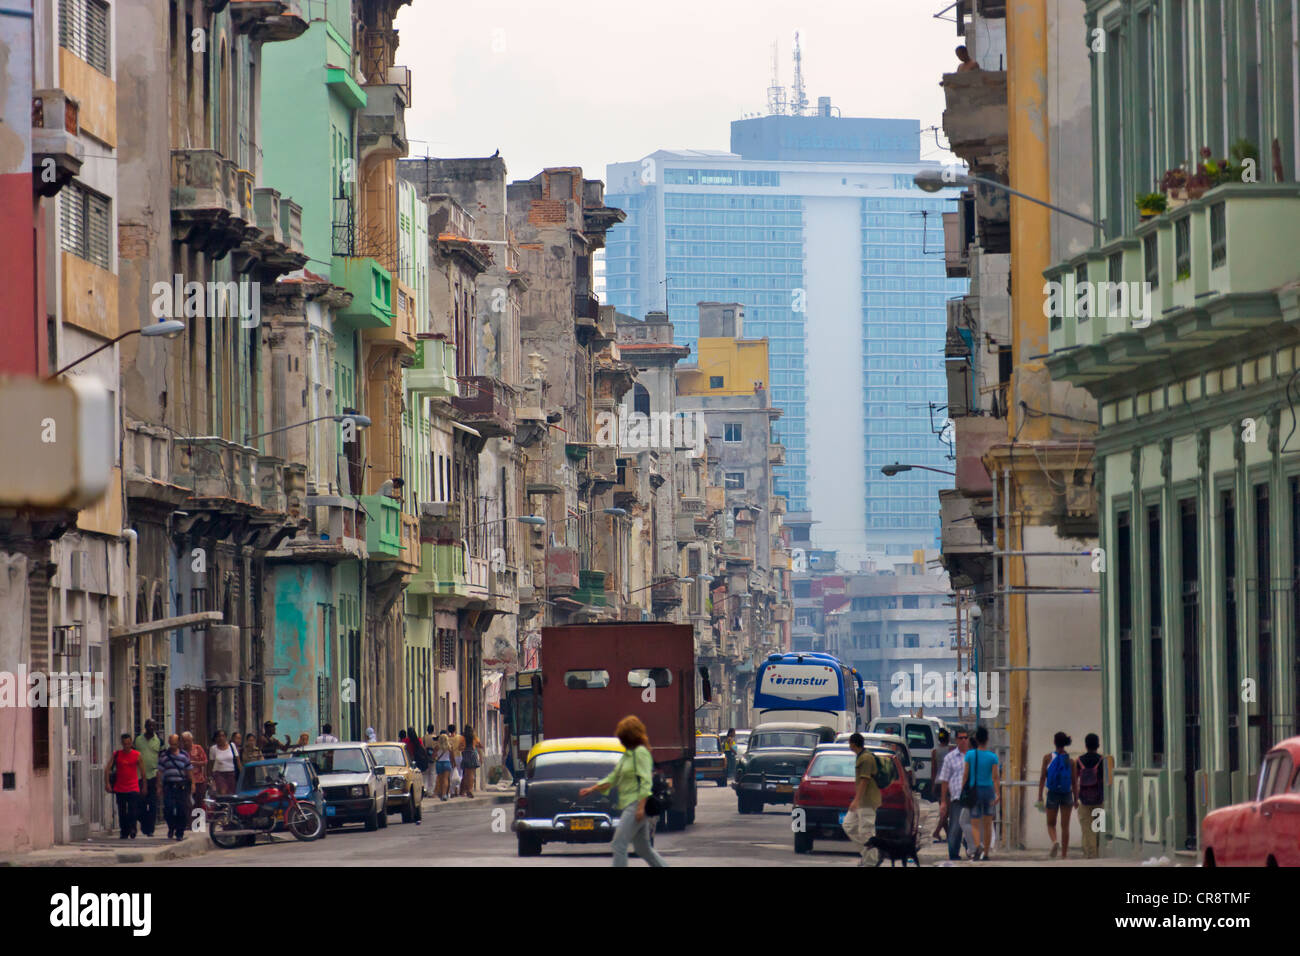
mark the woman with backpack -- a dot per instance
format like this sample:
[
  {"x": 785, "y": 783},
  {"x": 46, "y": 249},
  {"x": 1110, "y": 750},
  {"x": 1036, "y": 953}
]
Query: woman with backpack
[
  {"x": 633, "y": 777},
  {"x": 1090, "y": 769},
  {"x": 1062, "y": 782}
]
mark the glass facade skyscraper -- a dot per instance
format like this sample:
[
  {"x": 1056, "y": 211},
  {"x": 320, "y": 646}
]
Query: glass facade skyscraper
[{"x": 814, "y": 225}]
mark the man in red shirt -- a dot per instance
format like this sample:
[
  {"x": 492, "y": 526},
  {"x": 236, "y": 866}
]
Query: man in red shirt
[{"x": 124, "y": 778}]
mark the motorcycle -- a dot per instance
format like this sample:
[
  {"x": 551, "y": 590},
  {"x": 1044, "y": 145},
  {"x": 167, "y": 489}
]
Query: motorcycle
[{"x": 236, "y": 821}]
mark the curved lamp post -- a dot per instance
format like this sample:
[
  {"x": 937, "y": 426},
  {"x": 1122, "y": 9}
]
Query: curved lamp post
[
  {"x": 167, "y": 329},
  {"x": 889, "y": 471},
  {"x": 360, "y": 421},
  {"x": 933, "y": 180}
]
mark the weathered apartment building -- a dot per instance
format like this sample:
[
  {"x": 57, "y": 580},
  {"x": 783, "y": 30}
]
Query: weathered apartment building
[{"x": 1020, "y": 524}]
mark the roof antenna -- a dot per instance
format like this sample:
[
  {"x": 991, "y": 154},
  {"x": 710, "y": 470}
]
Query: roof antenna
[
  {"x": 798, "y": 98},
  {"x": 776, "y": 105}
]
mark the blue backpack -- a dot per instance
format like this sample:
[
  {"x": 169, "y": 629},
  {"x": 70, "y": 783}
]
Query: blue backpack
[{"x": 1058, "y": 775}]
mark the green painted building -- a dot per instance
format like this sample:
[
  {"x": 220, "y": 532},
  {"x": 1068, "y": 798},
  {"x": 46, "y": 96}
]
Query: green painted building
[{"x": 1198, "y": 450}]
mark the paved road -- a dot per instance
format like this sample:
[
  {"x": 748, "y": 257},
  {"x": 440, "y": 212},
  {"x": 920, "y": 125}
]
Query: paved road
[{"x": 462, "y": 833}]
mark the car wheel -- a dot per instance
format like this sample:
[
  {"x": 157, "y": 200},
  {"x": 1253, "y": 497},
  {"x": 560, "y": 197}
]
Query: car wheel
[
  {"x": 722, "y": 781},
  {"x": 1209, "y": 857},
  {"x": 803, "y": 843},
  {"x": 372, "y": 820},
  {"x": 529, "y": 845},
  {"x": 383, "y": 816},
  {"x": 408, "y": 808}
]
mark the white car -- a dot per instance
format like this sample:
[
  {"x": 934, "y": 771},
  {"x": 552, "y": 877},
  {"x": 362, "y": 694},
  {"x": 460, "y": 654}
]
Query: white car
[{"x": 921, "y": 734}]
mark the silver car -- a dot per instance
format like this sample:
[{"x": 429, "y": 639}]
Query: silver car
[{"x": 352, "y": 783}]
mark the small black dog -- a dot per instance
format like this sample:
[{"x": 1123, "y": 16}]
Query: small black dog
[{"x": 896, "y": 849}]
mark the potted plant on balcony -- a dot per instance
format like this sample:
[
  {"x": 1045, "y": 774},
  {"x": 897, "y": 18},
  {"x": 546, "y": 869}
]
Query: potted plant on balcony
[
  {"x": 1151, "y": 205},
  {"x": 1174, "y": 185}
]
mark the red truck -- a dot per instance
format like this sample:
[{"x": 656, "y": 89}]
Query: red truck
[{"x": 594, "y": 675}]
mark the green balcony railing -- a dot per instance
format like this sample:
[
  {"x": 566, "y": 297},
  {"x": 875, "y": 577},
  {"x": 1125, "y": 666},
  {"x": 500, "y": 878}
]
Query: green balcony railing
[
  {"x": 442, "y": 571},
  {"x": 383, "y": 526},
  {"x": 434, "y": 373},
  {"x": 371, "y": 286}
]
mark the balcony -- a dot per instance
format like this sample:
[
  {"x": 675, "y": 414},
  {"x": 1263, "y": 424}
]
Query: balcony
[
  {"x": 958, "y": 235},
  {"x": 410, "y": 528},
  {"x": 401, "y": 333},
  {"x": 371, "y": 286},
  {"x": 486, "y": 405},
  {"x": 333, "y": 533},
  {"x": 627, "y": 489},
  {"x": 591, "y": 588},
  {"x": 440, "y": 522},
  {"x": 600, "y": 468},
  {"x": 1186, "y": 280},
  {"x": 268, "y": 21},
  {"x": 477, "y": 577},
  {"x": 540, "y": 478},
  {"x": 684, "y": 527},
  {"x": 975, "y": 120},
  {"x": 381, "y": 124},
  {"x": 147, "y": 464},
  {"x": 217, "y": 472},
  {"x": 270, "y": 483},
  {"x": 442, "y": 574},
  {"x": 738, "y": 551},
  {"x": 383, "y": 527},
  {"x": 206, "y": 206},
  {"x": 434, "y": 373},
  {"x": 55, "y": 144},
  {"x": 666, "y": 593},
  {"x": 291, "y": 224},
  {"x": 776, "y": 454},
  {"x": 562, "y": 570}
]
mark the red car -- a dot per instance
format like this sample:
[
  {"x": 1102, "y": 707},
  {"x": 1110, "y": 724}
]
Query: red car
[
  {"x": 826, "y": 790},
  {"x": 1266, "y": 830}
]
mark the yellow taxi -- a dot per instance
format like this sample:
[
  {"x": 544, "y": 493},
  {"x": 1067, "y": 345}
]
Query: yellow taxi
[
  {"x": 547, "y": 806},
  {"x": 404, "y": 784},
  {"x": 710, "y": 759}
]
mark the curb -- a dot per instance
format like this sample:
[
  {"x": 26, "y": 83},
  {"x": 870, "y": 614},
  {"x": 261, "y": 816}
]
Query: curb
[{"x": 196, "y": 844}]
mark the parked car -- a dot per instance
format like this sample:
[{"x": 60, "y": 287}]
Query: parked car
[
  {"x": 921, "y": 734},
  {"x": 710, "y": 761},
  {"x": 353, "y": 783},
  {"x": 404, "y": 785},
  {"x": 1264, "y": 831},
  {"x": 774, "y": 761},
  {"x": 826, "y": 790},
  {"x": 547, "y": 806}
]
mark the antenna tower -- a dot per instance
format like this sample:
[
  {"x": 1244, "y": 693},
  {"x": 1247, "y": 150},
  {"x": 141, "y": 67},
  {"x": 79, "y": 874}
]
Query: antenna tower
[
  {"x": 798, "y": 98},
  {"x": 776, "y": 104}
]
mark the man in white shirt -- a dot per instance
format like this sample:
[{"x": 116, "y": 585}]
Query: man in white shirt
[
  {"x": 327, "y": 735},
  {"x": 950, "y": 777}
]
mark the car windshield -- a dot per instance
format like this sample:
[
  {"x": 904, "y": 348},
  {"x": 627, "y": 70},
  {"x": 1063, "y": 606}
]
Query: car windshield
[
  {"x": 783, "y": 738},
  {"x": 263, "y": 775},
  {"x": 342, "y": 760},
  {"x": 888, "y": 729},
  {"x": 839, "y": 765},
  {"x": 706, "y": 745},
  {"x": 388, "y": 756},
  {"x": 572, "y": 765}
]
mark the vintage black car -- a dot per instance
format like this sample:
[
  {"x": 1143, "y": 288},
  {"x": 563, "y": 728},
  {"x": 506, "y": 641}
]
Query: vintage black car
[
  {"x": 774, "y": 762},
  {"x": 547, "y": 806}
]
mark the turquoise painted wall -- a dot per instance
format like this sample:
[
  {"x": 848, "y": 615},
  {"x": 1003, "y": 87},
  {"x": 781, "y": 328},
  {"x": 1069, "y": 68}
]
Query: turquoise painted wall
[{"x": 295, "y": 594}]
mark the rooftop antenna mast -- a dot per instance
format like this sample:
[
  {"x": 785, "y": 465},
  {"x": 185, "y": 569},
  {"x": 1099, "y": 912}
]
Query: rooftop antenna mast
[
  {"x": 776, "y": 105},
  {"x": 798, "y": 98}
]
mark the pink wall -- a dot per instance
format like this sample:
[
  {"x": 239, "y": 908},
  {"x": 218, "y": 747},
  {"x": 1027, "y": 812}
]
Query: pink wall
[{"x": 27, "y": 812}]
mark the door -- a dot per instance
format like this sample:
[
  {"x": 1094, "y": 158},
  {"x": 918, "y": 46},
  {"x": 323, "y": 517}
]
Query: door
[
  {"x": 1279, "y": 829},
  {"x": 1252, "y": 842}
]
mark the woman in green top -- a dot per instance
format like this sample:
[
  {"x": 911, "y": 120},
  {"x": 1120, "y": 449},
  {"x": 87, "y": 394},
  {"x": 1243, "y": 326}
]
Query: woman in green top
[{"x": 632, "y": 776}]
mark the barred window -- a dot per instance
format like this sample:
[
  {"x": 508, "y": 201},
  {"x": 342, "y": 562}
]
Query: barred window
[
  {"x": 84, "y": 31},
  {"x": 84, "y": 224}
]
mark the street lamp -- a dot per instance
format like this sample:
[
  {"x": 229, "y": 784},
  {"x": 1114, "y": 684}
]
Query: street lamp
[
  {"x": 360, "y": 421},
  {"x": 889, "y": 471},
  {"x": 933, "y": 180},
  {"x": 167, "y": 329}
]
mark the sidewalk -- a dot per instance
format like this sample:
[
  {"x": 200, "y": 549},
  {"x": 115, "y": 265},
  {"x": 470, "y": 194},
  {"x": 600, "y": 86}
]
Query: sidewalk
[{"x": 108, "y": 850}]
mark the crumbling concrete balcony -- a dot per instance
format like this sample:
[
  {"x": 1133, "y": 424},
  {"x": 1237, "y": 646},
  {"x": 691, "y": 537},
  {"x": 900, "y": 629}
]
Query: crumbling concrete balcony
[
  {"x": 207, "y": 207},
  {"x": 975, "y": 120},
  {"x": 486, "y": 405},
  {"x": 381, "y": 125},
  {"x": 57, "y": 152},
  {"x": 267, "y": 21}
]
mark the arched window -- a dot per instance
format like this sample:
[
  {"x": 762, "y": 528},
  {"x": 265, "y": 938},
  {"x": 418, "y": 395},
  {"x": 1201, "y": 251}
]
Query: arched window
[{"x": 640, "y": 399}]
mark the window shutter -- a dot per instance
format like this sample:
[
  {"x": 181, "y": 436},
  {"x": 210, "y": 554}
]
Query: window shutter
[{"x": 84, "y": 31}]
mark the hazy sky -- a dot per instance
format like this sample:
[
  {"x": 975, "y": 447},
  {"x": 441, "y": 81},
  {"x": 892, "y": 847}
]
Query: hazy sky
[{"x": 588, "y": 82}]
